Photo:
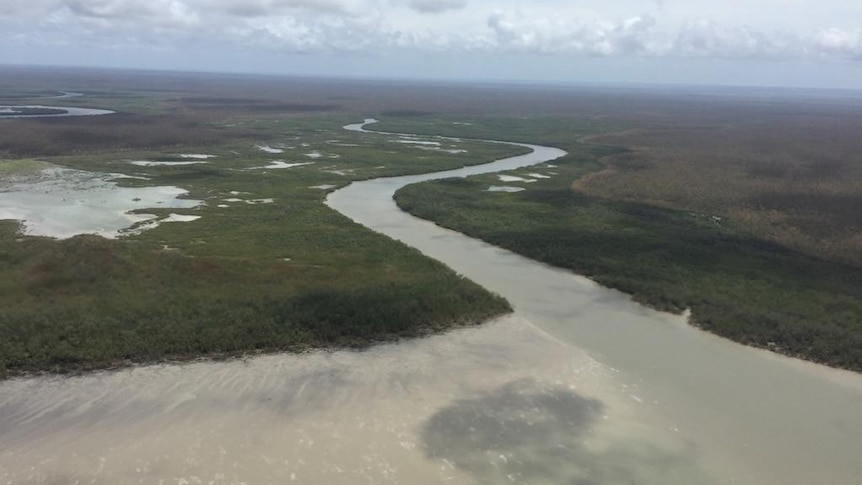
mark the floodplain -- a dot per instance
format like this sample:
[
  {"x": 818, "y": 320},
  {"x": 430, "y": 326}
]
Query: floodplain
[{"x": 575, "y": 387}]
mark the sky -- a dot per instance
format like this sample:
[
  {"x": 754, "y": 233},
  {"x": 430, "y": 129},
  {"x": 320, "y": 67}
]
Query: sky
[{"x": 799, "y": 43}]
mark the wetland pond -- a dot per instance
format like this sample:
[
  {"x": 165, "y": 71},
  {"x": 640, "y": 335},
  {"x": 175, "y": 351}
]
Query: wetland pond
[
  {"x": 39, "y": 111},
  {"x": 579, "y": 386},
  {"x": 61, "y": 202}
]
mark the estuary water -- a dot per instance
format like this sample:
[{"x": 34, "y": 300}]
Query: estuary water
[
  {"x": 578, "y": 386},
  {"x": 752, "y": 416}
]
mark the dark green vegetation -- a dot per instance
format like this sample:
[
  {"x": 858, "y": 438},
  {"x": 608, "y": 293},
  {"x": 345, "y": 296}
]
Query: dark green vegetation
[
  {"x": 91, "y": 302},
  {"x": 247, "y": 276},
  {"x": 745, "y": 287}
]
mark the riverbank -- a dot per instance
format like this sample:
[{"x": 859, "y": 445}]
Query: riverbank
[{"x": 734, "y": 283}]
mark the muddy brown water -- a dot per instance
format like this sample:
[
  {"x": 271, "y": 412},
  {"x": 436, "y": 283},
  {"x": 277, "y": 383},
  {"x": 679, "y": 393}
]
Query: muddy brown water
[{"x": 579, "y": 386}]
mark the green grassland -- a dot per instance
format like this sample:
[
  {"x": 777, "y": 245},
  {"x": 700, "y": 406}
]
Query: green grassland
[
  {"x": 746, "y": 288},
  {"x": 288, "y": 275}
]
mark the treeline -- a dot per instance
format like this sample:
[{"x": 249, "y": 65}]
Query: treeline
[
  {"x": 41, "y": 137},
  {"x": 63, "y": 339}
]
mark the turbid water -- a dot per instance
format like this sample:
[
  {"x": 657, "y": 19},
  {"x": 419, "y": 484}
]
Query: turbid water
[
  {"x": 580, "y": 386},
  {"x": 754, "y": 417}
]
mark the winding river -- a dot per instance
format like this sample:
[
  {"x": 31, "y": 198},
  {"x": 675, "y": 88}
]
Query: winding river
[
  {"x": 578, "y": 386},
  {"x": 758, "y": 417}
]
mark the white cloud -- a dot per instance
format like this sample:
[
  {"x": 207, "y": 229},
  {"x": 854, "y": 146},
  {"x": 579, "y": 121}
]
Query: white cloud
[
  {"x": 268, "y": 8},
  {"x": 610, "y": 28},
  {"x": 708, "y": 39},
  {"x": 840, "y": 42},
  {"x": 340, "y": 34},
  {"x": 28, "y": 8},
  {"x": 436, "y": 6},
  {"x": 544, "y": 35}
]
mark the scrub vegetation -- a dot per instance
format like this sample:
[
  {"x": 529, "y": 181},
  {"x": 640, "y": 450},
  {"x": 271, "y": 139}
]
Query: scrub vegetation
[{"x": 673, "y": 224}]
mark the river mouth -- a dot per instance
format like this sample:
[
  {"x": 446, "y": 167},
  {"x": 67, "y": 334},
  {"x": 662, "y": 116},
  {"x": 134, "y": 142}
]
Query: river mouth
[
  {"x": 492, "y": 404},
  {"x": 723, "y": 398}
]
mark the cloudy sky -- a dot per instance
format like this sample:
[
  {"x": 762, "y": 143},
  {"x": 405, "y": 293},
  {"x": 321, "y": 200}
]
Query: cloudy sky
[{"x": 812, "y": 43}]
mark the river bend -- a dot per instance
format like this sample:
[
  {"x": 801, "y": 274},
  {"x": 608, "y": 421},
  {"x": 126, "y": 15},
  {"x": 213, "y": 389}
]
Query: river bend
[{"x": 756, "y": 417}]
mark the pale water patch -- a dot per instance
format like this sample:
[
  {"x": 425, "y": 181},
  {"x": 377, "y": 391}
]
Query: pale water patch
[
  {"x": 323, "y": 187},
  {"x": 504, "y": 188},
  {"x": 418, "y": 142},
  {"x": 199, "y": 156},
  {"x": 512, "y": 178},
  {"x": 68, "y": 111},
  {"x": 179, "y": 218},
  {"x": 150, "y": 163},
  {"x": 269, "y": 149},
  {"x": 282, "y": 164},
  {"x": 538, "y": 176},
  {"x": 250, "y": 201},
  {"x": 314, "y": 154},
  {"x": 62, "y": 203}
]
